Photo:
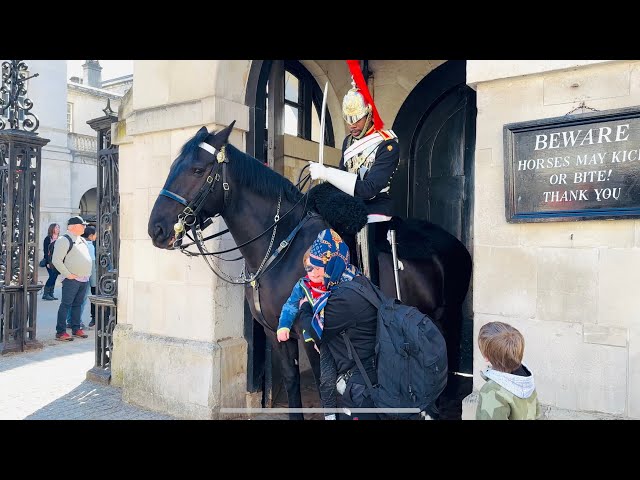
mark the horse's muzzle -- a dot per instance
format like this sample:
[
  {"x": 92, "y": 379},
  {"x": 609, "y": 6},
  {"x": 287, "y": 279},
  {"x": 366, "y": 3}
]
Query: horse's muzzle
[{"x": 160, "y": 237}]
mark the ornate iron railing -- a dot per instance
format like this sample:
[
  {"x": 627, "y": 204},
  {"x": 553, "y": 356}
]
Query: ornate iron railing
[
  {"x": 14, "y": 103},
  {"x": 20, "y": 166},
  {"x": 107, "y": 247}
]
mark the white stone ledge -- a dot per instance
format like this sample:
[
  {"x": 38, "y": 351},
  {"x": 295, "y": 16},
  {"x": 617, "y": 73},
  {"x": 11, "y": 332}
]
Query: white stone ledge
[
  {"x": 479, "y": 71},
  {"x": 56, "y": 209},
  {"x": 119, "y": 132},
  {"x": 211, "y": 110},
  {"x": 192, "y": 345}
]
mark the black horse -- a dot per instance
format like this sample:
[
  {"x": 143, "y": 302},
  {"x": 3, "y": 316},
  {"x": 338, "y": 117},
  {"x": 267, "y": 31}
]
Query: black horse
[{"x": 211, "y": 177}]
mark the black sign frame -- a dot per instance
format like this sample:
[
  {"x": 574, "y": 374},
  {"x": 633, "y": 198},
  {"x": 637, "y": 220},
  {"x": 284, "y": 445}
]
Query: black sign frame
[{"x": 513, "y": 130}]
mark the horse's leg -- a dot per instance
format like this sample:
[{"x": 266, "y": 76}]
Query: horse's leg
[
  {"x": 288, "y": 353},
  {"x": 452, "y": 317},
  {"x": 449, "y": 402},
  {"x": 314, "y": 361}
]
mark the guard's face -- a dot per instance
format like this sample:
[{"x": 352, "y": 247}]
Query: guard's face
[{"x": 356, "y": 128}]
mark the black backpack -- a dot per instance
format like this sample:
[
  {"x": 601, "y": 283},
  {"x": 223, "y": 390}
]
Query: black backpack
[
  {"x": 50, "y": 252},
  {"x": 411, "y": 356}
]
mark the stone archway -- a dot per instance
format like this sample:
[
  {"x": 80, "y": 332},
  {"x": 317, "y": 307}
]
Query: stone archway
[{"x": 89, "y": 204}]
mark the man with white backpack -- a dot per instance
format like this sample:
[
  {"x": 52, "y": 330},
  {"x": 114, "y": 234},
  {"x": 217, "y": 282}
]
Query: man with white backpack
[{"x": 72, "y": 259}]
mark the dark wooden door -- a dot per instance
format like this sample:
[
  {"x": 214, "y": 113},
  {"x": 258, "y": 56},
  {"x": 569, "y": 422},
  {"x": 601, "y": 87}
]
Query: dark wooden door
[
  {"x": 440, "y": 166},
  {"x": 436, "y": 130}
]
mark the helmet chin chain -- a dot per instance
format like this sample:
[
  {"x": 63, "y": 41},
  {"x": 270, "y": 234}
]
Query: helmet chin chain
[{"x": 365, "y": 129}]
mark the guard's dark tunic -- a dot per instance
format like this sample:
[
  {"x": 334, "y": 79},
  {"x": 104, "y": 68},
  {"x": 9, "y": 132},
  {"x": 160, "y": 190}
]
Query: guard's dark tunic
[{"x": 377, "y": 177}]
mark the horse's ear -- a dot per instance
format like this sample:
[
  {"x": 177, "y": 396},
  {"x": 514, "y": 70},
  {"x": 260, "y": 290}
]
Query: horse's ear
[
  {"x": 202, "y": 130},
  {"x": 222, "y": 137}
]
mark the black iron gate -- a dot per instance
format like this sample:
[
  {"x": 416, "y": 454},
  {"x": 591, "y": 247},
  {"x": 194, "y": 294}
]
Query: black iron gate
[
  {"x": 107, "y": 246},
  {"x": 20, "y": 166}
]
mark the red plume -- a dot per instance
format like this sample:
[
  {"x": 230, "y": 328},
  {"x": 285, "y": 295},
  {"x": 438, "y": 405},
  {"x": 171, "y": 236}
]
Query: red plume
[{"x": 354, "y": 67}]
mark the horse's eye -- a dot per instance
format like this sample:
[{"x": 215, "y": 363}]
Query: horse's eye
[{"x": 198, "y": 171}]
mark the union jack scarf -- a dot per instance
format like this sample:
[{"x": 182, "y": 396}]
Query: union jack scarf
[{"x": 331, "y": 252}]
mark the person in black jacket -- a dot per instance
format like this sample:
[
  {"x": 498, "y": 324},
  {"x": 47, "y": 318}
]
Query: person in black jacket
[
  {"x": 370, "y": 157},
  {"x": 52, "y": 235},
  {"x": 338, "y": 310}
]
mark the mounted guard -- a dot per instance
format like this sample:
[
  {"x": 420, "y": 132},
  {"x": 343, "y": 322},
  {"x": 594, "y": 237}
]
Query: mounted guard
[{"x": 369, "y": 159}]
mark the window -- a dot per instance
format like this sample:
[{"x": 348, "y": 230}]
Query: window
[
  {"x": 293, "y": 110},
  {"x": 69, "y": 117},
  {"x": 302, "y": 104},
  {"x": 315, "y": 124}
]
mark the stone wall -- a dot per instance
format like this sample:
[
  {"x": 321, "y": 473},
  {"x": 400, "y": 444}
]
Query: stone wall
[
  {"x": 179, "y": 339},
  {"x": 570, "y": 287}
]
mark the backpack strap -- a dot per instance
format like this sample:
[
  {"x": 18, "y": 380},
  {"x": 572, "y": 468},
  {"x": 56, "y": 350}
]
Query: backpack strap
[
  {"x": 353, "y": 355},
  {"x": 374, "y": 297},
  {"x": 50, "y": 260},
  {"x": 70, "y": 246},
  {"x": 371, "y": 294}
]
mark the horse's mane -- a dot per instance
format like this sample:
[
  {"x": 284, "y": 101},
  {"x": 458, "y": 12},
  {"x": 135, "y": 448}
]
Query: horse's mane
[{"x": 248, "y": 170}]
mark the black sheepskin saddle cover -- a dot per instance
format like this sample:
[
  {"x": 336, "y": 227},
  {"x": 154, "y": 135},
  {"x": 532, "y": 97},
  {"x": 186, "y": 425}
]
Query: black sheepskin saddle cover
[
  {"x": 346, "y": 214},
  {"x": 419, "y": 239}
]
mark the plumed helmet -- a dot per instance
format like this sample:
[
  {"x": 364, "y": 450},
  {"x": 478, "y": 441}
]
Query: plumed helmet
[{"x": 354, "y": 105}]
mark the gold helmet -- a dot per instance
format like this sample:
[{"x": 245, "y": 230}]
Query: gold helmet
[{"x": 354, "y": 105}]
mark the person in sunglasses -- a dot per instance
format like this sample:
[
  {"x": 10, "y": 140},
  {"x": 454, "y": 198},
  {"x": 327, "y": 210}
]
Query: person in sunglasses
[{"x": 309, "y": 289}]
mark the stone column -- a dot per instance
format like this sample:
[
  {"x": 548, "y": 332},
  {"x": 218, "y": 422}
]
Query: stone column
[{"x": 179, "y": 339}]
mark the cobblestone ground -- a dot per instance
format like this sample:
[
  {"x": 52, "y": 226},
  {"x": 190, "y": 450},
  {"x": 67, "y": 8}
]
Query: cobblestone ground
[{"x": 50, "y": 383}]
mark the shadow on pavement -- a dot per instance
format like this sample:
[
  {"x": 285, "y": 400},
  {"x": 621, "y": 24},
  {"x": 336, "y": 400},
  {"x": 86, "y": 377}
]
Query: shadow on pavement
[{"x": 92, "y": 401}]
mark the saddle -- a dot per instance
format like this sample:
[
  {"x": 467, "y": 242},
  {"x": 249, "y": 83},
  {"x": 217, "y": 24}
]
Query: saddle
[
  {"x": 351, "y": 214},
  {"x": 417, "y": 239}
]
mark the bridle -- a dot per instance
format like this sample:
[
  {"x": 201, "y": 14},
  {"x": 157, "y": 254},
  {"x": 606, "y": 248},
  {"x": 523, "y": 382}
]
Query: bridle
[{"x": 193, "y": 208}]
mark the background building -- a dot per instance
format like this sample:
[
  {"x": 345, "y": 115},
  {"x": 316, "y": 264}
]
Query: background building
[
  {"x": 87, "y": 97},
  {"x": 68, "y": 181}
]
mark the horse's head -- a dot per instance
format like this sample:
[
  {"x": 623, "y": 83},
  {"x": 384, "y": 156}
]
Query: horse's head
[{"x": 194, "y": 187}]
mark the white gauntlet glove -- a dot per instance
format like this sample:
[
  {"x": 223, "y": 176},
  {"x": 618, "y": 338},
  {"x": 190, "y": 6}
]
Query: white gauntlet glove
[
  {"x": 317, "y": 171},
  {"x": 340, "y": 179}
]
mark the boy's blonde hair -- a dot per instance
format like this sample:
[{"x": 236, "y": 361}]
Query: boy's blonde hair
[
  {"x": 502, "y": 345},
  {"x": 306, "y": 256}
]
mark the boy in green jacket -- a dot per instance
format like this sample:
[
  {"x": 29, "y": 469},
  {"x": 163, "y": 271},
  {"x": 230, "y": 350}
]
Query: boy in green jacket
[{"x": 510, "y": 392}]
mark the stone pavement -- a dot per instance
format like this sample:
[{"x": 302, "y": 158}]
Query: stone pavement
[{"x": 50, "y": 383}]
